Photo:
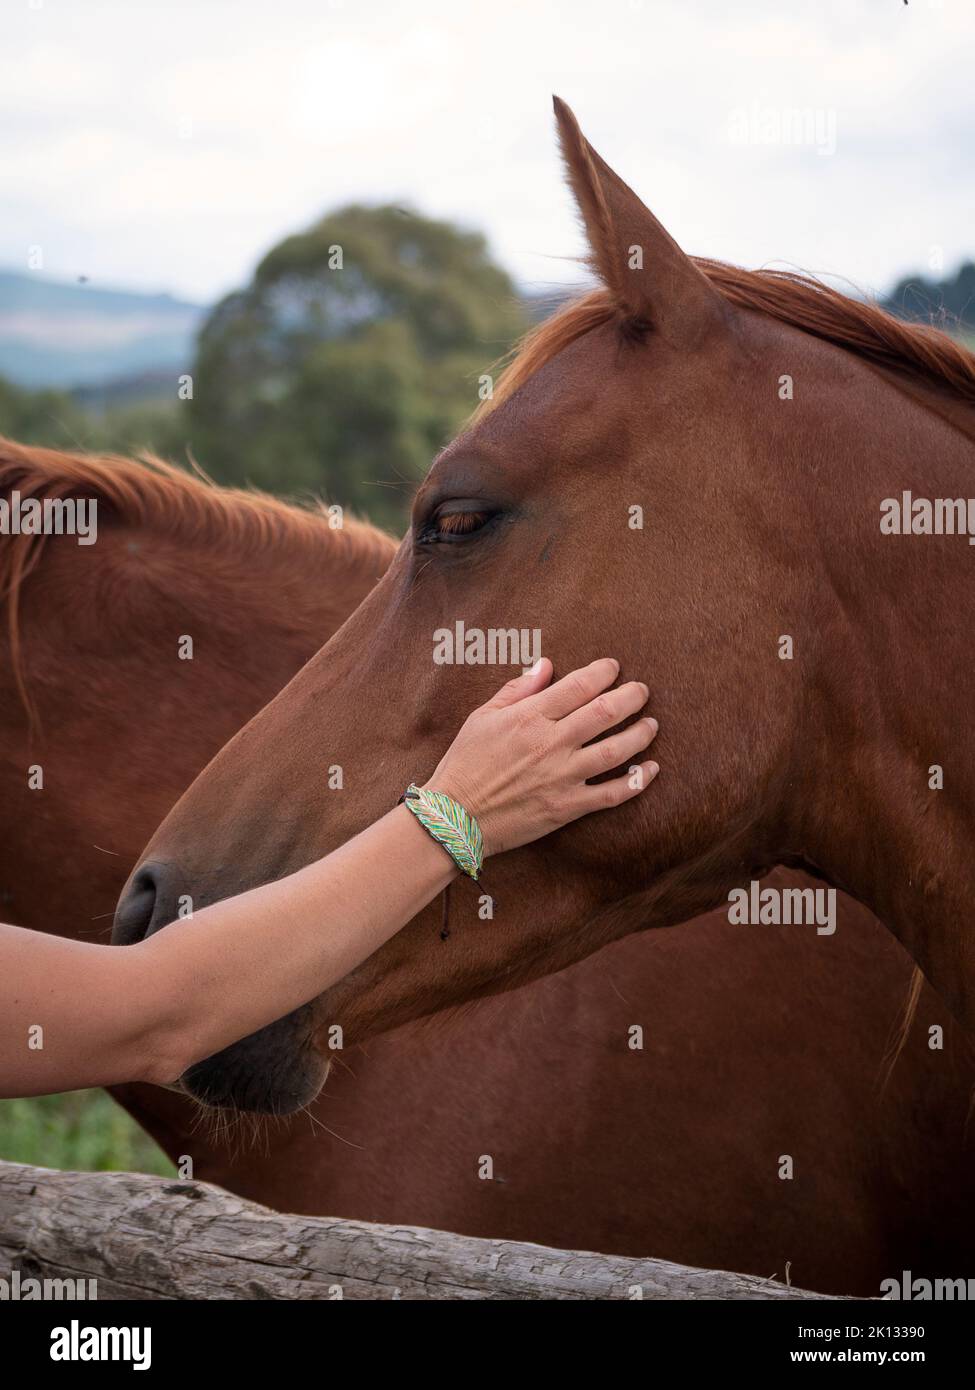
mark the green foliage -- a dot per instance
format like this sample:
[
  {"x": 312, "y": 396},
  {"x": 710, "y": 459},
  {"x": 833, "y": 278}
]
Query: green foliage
[
  {"x": 56, "y": 420},
  {"x": 85, "y": 1130},
  {"x": 38, "y": 417},
  {"x": 342, "y": 380},
  {"x": 346, "y": 378}
]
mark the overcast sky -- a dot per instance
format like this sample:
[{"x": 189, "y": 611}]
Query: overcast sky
[{"x": 166, "y": 144}]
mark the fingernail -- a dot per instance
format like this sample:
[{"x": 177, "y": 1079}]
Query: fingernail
[
  {"x": 654, "y": 726},
  {"x": 653, "y": 769},
  {"x": 537, "y": 667}
]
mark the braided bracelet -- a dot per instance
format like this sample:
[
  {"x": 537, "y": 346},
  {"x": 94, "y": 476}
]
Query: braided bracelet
[{"x": 450, "y": 825}]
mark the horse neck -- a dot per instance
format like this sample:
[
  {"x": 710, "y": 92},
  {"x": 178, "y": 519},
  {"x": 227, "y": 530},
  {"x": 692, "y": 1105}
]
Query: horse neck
[
  {"x": 104, "y": 699},
  {"x": 892, "y": 681}
]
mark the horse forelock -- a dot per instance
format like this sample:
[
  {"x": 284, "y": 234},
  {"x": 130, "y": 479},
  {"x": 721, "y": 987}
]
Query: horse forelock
[{"x": 920, "y": 352}]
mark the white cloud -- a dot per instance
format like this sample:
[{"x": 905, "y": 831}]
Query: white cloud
[{"x": 169, "y": 143}]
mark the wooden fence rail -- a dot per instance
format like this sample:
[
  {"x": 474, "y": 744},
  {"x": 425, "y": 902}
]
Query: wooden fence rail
[{"x": 155, "y": 1238}]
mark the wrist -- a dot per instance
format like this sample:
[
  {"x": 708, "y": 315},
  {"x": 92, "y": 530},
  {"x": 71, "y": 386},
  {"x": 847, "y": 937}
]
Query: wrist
[{"x": 439, "y": 856}]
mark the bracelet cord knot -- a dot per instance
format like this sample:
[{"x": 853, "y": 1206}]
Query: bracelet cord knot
[{"x": 450, "y": 824}]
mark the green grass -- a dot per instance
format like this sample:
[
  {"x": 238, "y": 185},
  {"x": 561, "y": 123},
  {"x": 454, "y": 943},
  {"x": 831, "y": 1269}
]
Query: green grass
[{"x": 85, "y": 1130}]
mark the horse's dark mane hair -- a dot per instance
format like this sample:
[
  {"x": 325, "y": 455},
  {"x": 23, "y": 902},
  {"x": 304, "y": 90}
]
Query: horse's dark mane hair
[{"x": 924, "y": 353}]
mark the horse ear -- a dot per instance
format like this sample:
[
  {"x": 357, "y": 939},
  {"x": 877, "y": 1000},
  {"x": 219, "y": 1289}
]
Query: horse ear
[{"x": 651, "y": 279}]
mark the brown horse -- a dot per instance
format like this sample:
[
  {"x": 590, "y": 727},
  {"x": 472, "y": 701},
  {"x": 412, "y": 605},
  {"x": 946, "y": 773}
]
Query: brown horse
[
  {"x": 99, "y": 687},
  {"x": 806, "y": 666},
  {"x": 400, "y": 1134}
]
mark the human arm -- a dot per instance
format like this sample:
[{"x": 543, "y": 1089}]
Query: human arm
[{"x": 148, "y": 1011}]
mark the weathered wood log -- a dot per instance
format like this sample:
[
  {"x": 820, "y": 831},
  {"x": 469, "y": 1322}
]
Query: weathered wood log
[{"x": 154, "y": 1238}]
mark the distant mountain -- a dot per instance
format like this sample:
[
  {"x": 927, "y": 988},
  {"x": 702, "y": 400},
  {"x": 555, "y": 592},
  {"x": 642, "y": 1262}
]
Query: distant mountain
[
  {"x": 57, "y": 334},
  {"x": 948, "y": 303}
]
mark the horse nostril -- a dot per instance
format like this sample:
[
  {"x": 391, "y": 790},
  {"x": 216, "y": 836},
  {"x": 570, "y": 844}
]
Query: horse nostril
[{"x": 148, "y": 904}]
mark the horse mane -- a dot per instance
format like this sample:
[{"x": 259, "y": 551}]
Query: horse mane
[
  {"x": 920, "y": 351},
  {"x": 188, "y": 507}
]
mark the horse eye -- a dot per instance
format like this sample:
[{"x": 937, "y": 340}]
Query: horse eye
[{"x": 453, "y": 525}]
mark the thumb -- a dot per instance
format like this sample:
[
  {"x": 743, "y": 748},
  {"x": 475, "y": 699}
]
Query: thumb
[{"x": 522, "y": 686}]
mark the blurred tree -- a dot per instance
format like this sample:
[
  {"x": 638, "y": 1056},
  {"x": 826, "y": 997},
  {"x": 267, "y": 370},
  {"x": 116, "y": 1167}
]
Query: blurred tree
[
  {"x": 351, "y": 358},
  {"x": 39, "y": 417},
  {"x": 60, "y": 421}
]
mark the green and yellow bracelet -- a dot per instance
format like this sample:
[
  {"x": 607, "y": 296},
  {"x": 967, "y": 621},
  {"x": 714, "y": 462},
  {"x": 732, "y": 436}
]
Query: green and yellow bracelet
[{"x": 451, "y": 826}]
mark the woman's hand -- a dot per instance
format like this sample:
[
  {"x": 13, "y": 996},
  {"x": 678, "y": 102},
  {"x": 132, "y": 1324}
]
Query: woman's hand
[{"x": 518, "y": 763}]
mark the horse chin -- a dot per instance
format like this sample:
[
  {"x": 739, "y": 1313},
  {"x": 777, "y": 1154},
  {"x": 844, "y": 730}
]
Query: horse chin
[
  {"x": 269, "y": 1073},
  {"x": 176, "y": 1087}
]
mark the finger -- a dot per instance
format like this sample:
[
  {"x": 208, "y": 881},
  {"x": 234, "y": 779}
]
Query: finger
[
  {"x": 611, "y": 752},
  {"x": 577, "y": 688},
  {"x": 614, "y": 792},
  {"x": 610, "y": 708},
  {"x": 529, "y": 683}
]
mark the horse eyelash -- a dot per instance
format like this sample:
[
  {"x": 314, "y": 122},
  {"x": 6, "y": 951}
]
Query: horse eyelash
[{"x": 458, "y": 523}]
